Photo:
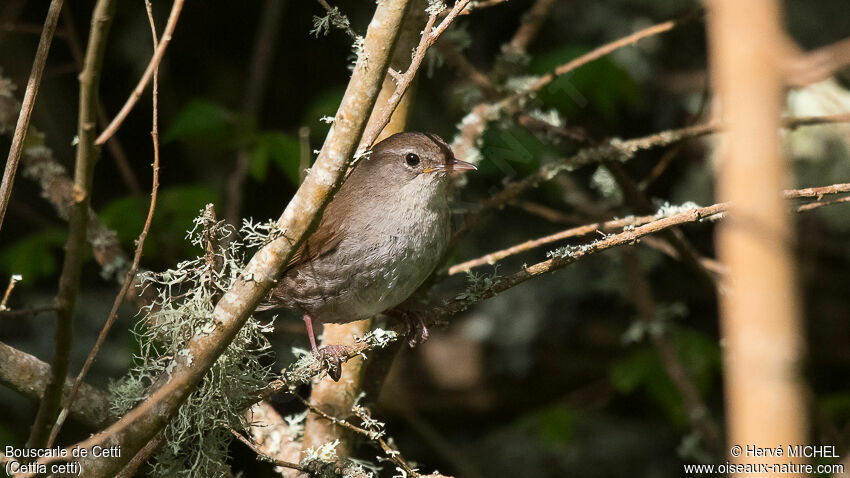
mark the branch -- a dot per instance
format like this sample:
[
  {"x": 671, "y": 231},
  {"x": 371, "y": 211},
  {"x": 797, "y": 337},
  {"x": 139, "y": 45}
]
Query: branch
[
  {"x": 393, "y": 454},
  {"x": 635, "y": 221},
  {"x": 110, "y": 130},
  {"x": 69, "y": 280},
  {"x": 26, "y": 107},
  {"x": 262, "y": 456},
  {"x": 138, "y": 426},
  {"x": 29, "y": 376},
  {"x": 130, "y": 277},
  {"x": 114, "y": 144}
]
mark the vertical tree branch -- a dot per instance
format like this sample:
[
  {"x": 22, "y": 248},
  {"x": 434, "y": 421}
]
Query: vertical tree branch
[
  {"x": 760, "y": 315},
  {"x": 69, "y": 280},
  {"x": 26, "y": 107}
]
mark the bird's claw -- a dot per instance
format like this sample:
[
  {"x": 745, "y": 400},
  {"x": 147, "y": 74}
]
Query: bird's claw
[
  {"x": 414, "y": 323},
  {"x": 331, "y": 358}
]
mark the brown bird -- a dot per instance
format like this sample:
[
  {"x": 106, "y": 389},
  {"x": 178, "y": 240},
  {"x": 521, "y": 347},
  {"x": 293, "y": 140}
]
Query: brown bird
[{"x": 379, "y": 238}]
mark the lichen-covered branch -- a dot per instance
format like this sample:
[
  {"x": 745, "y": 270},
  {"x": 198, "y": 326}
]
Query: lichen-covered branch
[{"x": 69, "y": 280}]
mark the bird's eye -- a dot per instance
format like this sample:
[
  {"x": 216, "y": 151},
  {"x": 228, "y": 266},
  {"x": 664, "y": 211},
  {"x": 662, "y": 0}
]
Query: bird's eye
[{"x": 412, "y": 159}]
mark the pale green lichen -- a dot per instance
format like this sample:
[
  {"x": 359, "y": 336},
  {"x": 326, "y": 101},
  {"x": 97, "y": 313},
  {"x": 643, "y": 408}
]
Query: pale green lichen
[{"x": 197, "y": 438}]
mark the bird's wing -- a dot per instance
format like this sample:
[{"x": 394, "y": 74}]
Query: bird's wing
[{"x": 327, "y": 236}]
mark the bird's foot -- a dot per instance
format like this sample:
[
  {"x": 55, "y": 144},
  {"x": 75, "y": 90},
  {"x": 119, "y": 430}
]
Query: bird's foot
[
  {"x": 330, "y": 357},
  {"x": 415, "y": 328}
]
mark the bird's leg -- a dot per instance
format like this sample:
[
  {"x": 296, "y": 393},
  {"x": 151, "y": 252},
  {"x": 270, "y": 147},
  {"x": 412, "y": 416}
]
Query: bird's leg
[{"x": 330, "y": 356}]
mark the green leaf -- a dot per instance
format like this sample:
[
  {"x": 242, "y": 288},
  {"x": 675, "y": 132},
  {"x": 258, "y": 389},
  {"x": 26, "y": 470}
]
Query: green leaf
[
  {"x": 284, "y": 150},
  {"x": 259, "y": 163},
  {"x": 126, "y": 216},
  {"x": 642, "y": 370},
  {"x": 555, "y": 425},
  {"x": 202, "y": 119},
  {"x": 34, "y": 256},
  {"x": 836, "y": 406},
  {"x": 512, "y": 150}
]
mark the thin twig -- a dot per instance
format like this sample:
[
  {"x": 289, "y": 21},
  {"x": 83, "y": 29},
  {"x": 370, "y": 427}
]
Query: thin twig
[
  {"x": 142, "y": 456},
  {"x": 264, "y": 457},
  {"x": 598, "y": 53},
  {"x": 476, "y": 121},
  {"x": 26, "y": 107},
  {"x": 110, "y": 130},
  {"x": 69, "y": 279},
  {"x": 482, "y": 4},
  {"x": 137, "y": 256},
  {"x": 429, "y": 35},
  {"x": 578, "y": 231},
  {"x": 514, "y": 51},
  {"x": 29, "y": 312},
  {"x": 393, "y": 454},
  {"x": 12, "y": 281}
]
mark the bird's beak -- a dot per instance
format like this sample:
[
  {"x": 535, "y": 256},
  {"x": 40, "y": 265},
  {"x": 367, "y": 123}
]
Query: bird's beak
[{"x": 458, "y": 166}]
